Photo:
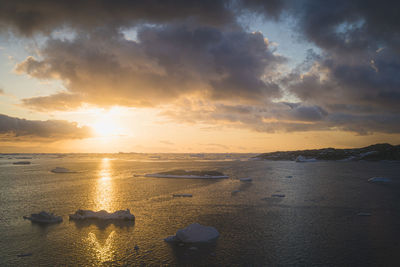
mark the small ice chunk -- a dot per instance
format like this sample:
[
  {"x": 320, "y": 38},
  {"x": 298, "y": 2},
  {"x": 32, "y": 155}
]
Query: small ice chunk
[
  {"x": 182, "y": 195},
  {"x": 43, "y": 217},
  {"x": 304, "y": 159},
  {"x": 194, "y": 233},
  {"x": 22, "y": 163},
  {"x": 246, "y": 179},
  {"x": 102, "y": 215},
  {"x": 61, "y": 170},
  {"x": 24, "y": 255},
  {"x": 278, "y": 195},
  {"x": 379, "y": 180},
  {"x": 364, "y": 214}
]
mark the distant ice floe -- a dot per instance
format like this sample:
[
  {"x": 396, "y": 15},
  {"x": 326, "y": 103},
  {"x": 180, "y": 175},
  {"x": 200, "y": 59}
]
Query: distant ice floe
[
  {"x": 304, "y": 159},
  {"x": 102, "y": 215},
  {"x": 43, "y": 217},
  {"x": 188, "y": 174},
  {"x": 380, "y": 180},
  {"x": 22, "y": 163},
  {"x": 246, "y": 179},
  {"x": 182, "y": 195},
  {"x": 194, "y": 233},
  {"x": 61, "y": 170}
]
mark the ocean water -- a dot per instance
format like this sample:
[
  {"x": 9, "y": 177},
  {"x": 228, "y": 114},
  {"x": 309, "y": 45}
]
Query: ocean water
[{"x": 315, "y": 224}]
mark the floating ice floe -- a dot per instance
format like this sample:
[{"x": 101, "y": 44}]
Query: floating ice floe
[
  {"x": 246, "y": 179},
  {"x": 379, "y": 180},
  {"x": 278, "y": 195},
  {"x": 194, "y": 233},
  {"x": 188, "y": 174},
  {"x": 43, "y": 217},
  {"x": 102, "y": 215},
  {"x": 22, "y": 163},
  {"x": 304, "y": 159},
  {"x": 61, "y": 170},
  {"x": 182, "y": 195}
]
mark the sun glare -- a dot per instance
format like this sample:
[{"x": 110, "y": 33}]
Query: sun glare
[{"x": 107, "y": 124}]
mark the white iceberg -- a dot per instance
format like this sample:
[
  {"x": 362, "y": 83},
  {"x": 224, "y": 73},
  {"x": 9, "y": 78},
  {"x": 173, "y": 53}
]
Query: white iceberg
[
  {"x": 304, "y": 159},
  {"x": 61, "y": 170},
  {"x": 43, "y": 217},
  {"x": 379, "y": 180},
  {"x": 246, "y": 179},
  {"x": 194, "y": 233},
  {"x": 102, "y": 215}
]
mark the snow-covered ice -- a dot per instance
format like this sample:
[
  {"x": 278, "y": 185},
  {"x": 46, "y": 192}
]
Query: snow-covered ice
[
  {"x": 379, "y": 180},
  {"x": 304, "y": 159},
  {"x": 61, "y": 170},
  {"x": 102, "y": 215},
  {"x": 194, "y": 233},
  {"x": 44, "y": 217}
]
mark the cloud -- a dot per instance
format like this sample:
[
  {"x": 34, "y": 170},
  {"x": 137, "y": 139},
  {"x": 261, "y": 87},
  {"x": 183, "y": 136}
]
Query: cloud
[
  {"x": 167, "y": 62},
  {"x": 166, "y": 142},
  {"x": 15, "y": 129},
  {"x": 27, "y": 17}
]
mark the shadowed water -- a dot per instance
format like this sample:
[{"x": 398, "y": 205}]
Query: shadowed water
[{"x": 314, "y": 224}]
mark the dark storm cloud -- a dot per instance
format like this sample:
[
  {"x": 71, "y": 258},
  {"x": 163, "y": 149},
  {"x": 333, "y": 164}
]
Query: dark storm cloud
[
  {"x": 15, "y": 129},
  {"x": 28, "y": 17},
  {"x": 104, "y": 68}
]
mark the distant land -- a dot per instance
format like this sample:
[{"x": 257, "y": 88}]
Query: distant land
[{"x": 373, "y": 153}]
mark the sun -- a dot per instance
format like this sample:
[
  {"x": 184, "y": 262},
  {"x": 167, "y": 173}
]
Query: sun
[{"x": 107, "y": 124}]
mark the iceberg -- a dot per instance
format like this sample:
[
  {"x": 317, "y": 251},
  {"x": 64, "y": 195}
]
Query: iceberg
[
  {"x": 182, "y": 195},
  {"x": 278, "y": 195},
  {"x": 43, "y": 217},
  {"x": 102, "y": 215},
  {"x": 61, "y": 170},
  {"x": 22, "y": 163},
  {"x": 246, "y": 179},
  {"x": 304, "y": 159},
  {"x": 188, "y": 174},
  {"x": 379, "y": 180},
  {"x": 194, "y": 233}
]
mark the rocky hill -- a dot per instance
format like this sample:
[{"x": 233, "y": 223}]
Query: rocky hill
[{"x": 373, "y": 153}]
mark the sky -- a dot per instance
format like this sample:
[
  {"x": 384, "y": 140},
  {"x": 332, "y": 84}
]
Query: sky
[{"x": 198, "y": 76}]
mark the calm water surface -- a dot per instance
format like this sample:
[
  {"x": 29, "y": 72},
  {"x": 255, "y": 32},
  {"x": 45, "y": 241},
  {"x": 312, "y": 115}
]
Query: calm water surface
[{"x": 315, "y": 224}]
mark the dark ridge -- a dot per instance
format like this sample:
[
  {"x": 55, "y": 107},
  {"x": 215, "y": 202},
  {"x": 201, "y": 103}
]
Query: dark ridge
[{"x": 372, "y": 152}]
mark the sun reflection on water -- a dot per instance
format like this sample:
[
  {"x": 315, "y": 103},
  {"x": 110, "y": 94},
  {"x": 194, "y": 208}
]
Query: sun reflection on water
[
  {"x": 104, "y": 252},
  {"x": 104, "y": 189}
]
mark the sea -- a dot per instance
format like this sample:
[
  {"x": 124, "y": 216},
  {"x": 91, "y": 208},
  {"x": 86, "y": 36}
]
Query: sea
[{"x": 290, "y": 214}]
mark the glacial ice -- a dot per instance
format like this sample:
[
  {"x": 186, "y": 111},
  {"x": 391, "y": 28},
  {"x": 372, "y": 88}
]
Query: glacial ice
[
  {"x": 61, "y": 170},
  {"x": 379, "y": 180},
  {"x": 43, "y": 217},
  {"x": 182, "y": 195},
  {"x": 304, "y": 159},
  {"x": 194, "y": 233},
  {"x": 188, "y": 174},
  {"x": 102, "y": 215}
]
